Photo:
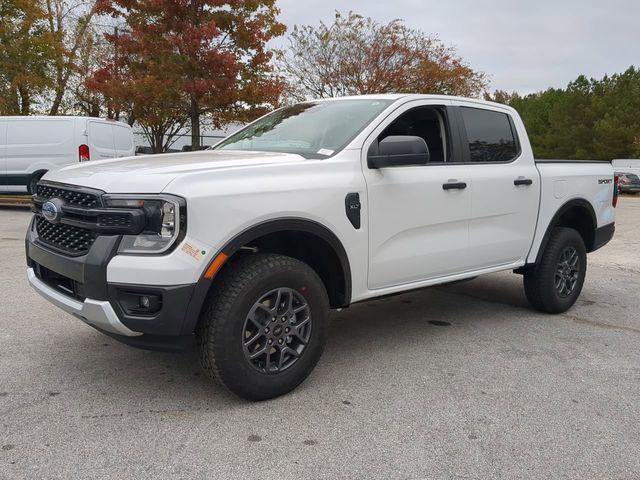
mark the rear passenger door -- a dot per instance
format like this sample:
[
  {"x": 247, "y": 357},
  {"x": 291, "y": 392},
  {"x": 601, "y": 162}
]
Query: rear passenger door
[
  {"x": 506, "y": 185},
  {"x": 101, "y": 143},
  {"x": 123, "y": 140}
]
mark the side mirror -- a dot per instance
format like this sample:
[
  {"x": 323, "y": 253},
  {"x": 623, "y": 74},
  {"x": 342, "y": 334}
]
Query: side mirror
[{"x": 398, "y": 151}]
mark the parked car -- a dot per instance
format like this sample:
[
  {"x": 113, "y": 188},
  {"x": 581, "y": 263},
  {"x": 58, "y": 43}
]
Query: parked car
[
  {"x": 628, "y": 165},
  {"x": 313, "y": 207},
  {"x": 31, "y": 146},
  {"x": 628, "y": 182}
]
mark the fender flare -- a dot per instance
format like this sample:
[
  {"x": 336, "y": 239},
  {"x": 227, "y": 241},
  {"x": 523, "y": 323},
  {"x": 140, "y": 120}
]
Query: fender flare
[
  {"x": 576, "y": 202},
  {"x": 259, "y": 230}
]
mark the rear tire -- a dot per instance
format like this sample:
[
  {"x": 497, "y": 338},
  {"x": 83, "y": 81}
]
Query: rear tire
[
  {"x": 554, "y": 285},
  {"x": 264, "y": 326}
]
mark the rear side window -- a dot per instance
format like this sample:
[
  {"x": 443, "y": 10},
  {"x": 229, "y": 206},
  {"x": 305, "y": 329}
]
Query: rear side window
[
  {"x": 101, "y": 135},
  {"x": 123, "y": 138},
  {"x": 490, "y": 136}
]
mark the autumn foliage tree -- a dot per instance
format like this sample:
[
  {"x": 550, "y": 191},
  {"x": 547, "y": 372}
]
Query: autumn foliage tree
[
  {"x": 177, "y": 60},
  {"x": 357, "y": 55}
]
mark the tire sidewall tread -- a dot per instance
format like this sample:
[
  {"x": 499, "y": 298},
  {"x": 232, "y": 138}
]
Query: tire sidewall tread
[{"x": 539, "y": 281}]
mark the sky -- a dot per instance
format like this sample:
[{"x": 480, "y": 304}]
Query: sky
[{"x": 523, "y": 45}]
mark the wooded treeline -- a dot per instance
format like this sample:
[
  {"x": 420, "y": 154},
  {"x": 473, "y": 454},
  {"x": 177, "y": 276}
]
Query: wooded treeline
[{"x": 595, "y": 119}]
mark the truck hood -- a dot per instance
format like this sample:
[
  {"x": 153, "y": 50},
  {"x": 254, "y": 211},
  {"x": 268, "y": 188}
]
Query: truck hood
[{"x": 152, "y": 173}]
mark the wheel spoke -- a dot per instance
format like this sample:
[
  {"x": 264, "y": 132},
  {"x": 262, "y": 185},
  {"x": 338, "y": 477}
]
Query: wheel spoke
[
  {"x": 253, "y": 339},
  {"x": 289, "y": 302},
  {"x": 267, "y": 361},
  {"x": 558, "y": 281},
  {"x": 259, "y": 353},
  {"x": 279, "y": 299},
  {"x": 282, "y": 351},
  {"x": 573, "y": 262},
  {"x": 300, "y": 308},
  {"x": 254, "y": 320},
  {"x": 297, "y": 332},
  {"x": 291, "y": 351}
]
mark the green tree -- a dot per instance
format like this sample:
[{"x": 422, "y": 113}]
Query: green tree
[
  {"x": 590, "y": 119},
  {"x": 26, "y": 50}
]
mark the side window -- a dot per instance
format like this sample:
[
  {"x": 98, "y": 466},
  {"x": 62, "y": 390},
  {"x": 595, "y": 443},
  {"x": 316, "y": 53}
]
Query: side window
[
  {"x": 101, "y": 135},
  {"x": 123, "y": 138},
  {"x": 490, "y": 136},
  {"x": 428, "y": 123}
]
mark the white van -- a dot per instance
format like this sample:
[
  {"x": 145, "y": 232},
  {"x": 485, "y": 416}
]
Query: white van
[
  {"x": 627, "y": 165},
  {"x": 31, "y": 146}
]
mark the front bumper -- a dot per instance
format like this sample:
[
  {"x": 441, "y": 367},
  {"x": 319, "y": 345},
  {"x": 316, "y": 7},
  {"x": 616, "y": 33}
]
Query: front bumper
[
  {"x": 99, "y": 314},
  {"x": 628, "y": 188},
  {"x": 78, "y": 285}
]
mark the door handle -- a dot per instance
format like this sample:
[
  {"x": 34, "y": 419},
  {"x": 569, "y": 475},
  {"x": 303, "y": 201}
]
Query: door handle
[
  {"x": 522, "y": 181},
  {"x": 454, "y": 186}
]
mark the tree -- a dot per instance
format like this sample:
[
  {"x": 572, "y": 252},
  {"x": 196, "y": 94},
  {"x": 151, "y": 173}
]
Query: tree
[
  {"x": 25, "y": 51},
  {"x": 150, "y": 91},
  {"x": 213, "y": 51},
  {"x": 92, "y": 54},
  {"x": 590, "y": 119},
  {"x": 68, "y": 24},
  {"x": 357, "y": 55}
]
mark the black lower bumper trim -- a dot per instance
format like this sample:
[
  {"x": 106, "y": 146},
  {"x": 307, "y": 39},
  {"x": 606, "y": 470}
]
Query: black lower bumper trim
[
  {"x": 158, "y": 343},
  {"x": 603, "y": 235},
  {"x": 168, "y": 320}
]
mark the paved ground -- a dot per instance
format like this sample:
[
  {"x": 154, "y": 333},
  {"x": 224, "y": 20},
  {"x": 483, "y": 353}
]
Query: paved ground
[{"x": 503, "y": 392}]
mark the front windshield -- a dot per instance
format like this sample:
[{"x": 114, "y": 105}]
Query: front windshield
[{"x": 311, "y": 129}]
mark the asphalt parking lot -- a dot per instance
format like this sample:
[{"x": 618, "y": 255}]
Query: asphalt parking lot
[{"x": 499, "y": 392}]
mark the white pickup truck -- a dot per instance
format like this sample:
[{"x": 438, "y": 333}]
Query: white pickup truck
[{"x": 246, "y": 246}]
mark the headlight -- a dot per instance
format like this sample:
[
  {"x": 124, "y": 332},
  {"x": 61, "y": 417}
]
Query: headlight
[{"x": 165, "y": 222}]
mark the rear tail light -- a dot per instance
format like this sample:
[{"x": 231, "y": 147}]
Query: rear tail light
[
  {"x": 83, "y": 153},
  {"x": 616, "y": 181}
]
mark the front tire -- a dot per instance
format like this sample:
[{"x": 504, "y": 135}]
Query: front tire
[
  {"x": 264, "y": 326},
  {"x": 554, "y": 285}
]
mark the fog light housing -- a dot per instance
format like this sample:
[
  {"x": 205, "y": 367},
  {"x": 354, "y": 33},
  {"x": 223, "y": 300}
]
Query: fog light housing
[{"x": 140, "y": 303}]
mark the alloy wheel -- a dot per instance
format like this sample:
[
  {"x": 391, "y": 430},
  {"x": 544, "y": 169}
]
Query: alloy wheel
[
  {"x": 277, "y": 330},
  {"x": 567, "y": 272}
]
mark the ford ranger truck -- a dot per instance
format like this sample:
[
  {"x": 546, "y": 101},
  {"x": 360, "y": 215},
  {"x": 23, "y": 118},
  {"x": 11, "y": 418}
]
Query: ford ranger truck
[{"x": 245, "y": 247}]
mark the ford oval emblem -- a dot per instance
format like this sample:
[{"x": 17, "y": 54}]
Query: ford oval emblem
[{"x": 50, "y": 211}]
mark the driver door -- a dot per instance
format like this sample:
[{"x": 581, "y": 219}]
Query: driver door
[{"x": 418, "y": 225}]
